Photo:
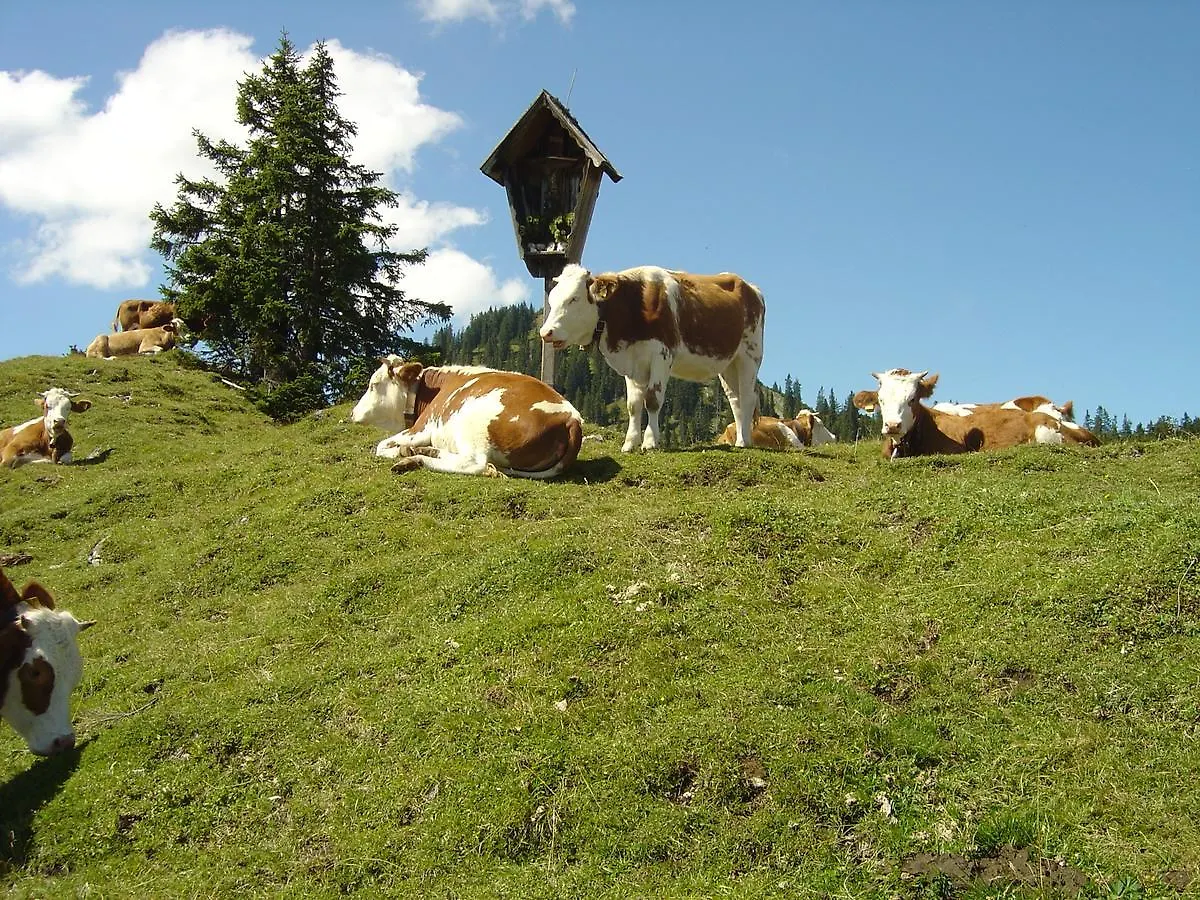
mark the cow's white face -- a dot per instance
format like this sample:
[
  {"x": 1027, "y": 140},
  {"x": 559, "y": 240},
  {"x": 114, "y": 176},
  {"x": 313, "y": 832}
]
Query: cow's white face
[
  {"x": 386, "y": 399},
  {"x": 571, "y": 313},
  {"x": 820, "y": 434},
  {"x": 56, "y": 404},
  {"x": 899, "y": 389},
  {"x": 38, "y": 693}
]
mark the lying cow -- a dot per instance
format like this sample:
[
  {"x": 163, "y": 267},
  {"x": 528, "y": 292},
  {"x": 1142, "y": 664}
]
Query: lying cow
[
  {"x": 912, "y": 429},
  {"x": 133, "y": 314},
  {"x": 131, "y": 343},
  {"x": 470, "y": 421},
  {"x": 44, "y": 439},
  {"x": 806, "y": 430},
  {"x": 652, "y": 323},
  {"x": 39, "y": 666},
  {"x": 1033, "y": 403}
]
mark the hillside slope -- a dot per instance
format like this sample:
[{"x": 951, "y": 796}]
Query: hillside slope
[{"x": 687, "y": 673}]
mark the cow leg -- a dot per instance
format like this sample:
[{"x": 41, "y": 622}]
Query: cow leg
[
  {"x": 452, "y": 463},
  {"x": 635, "y": 402},
  {"x": 403, "y": 444},
  {"x": 738, "y": 381},
  {"x": 660, "y": 371}
]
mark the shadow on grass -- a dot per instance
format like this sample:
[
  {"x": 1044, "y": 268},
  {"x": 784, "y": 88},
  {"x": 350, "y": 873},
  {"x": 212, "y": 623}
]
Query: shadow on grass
[
  {"x": 592, "y": 471},
  {"x": 23, "y": 796},
  {"x": 96, "y": 456}
]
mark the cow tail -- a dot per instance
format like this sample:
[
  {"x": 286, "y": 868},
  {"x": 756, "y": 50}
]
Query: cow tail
[{"x": 568, "y": 453}]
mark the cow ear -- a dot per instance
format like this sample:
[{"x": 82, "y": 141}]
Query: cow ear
[
  {"x": 603, "y": 286},
  {"x": 1068, "y": 410},
  {"x": 927, "y": 385},
  {"x": 410, "y": 371},
  {"x": 40, "y": 402},
  {"x": 81, "y": 405},
  {"x": 36, "y": 595},
  {"x": 866, "y": 400},
  {"x": 8, "y": 593}
]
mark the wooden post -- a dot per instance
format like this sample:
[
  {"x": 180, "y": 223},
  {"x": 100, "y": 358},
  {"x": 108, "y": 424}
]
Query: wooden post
[{"x": 547, "y": 371}]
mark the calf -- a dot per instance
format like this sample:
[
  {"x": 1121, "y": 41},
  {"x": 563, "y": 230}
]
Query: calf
[
  {"x": 652, "y": 323},
  {"x": 912, "y": 429},
  {"x": 133, "y": 314},
  {"x": 39, "y": 666},
  {"x": 470, "y": 421},
  {"x": 806, "y": 430},
  {"x": 44, "y": 439},
  {"x": 131, "y": 343}
]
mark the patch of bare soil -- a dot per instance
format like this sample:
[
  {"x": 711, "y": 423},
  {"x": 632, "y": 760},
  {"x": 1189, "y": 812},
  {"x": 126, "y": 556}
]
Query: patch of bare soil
[{"x": 1008, "y": 865}]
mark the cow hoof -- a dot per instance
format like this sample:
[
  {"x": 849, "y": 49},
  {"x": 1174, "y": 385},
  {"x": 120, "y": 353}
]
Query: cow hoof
[
  {"x": 490, "y": 471},
  {"x": 407, "y": 464},
  {"x": 425, "y": 451}
]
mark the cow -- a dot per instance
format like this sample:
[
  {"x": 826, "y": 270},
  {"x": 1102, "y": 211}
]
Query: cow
[
  {"x": 1034, "y": 403},
  {"x": 470, "y": 421},
  {"x": 40, "y": 666},
  {"x": 806, "y": 430},
  {"x": 912, "y": 429},
  {"x": 131, "y": 343},
  {"x": 651, "y": 323},
  {"x": 44, "y": 439},
  {"x": 133, "y": 314}
]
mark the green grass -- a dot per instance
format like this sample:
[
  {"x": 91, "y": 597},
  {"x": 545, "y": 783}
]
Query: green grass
[{"x": 784, "y": 674}]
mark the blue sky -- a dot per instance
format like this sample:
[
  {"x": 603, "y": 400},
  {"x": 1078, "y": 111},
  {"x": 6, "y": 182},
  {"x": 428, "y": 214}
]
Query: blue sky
[{"x": 1005, "y": 193}]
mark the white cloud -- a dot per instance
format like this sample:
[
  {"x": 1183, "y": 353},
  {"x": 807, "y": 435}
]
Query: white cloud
[
  {"x": 441, "y": 11},
  {"x": 420, "y": 223},
  {"x": 33, "y": 102},
  {"x": 384, "y": 101},
  {"x": 86, "y": 181},
  {"x": 467, "y": 285},
  {"x": 457, "y": 10},
  {"x": 564, "y": 9}
]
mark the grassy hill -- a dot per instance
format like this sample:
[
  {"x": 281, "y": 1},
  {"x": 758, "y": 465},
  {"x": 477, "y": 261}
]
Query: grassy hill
[{"x": 700, "y": 673}]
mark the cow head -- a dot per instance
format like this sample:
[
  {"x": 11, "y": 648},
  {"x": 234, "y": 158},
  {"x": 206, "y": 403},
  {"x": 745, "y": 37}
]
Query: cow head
[
  {"x": 389, "y": 394},
  {"x": 39, "y": 666},
  {"x": 55, "y": 405},
  {"x": 816, "y": 432},
  {"x": 571, "y": 306},
  {"x": 899, "y": 393}
]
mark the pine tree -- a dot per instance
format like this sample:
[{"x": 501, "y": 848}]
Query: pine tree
[{"x": 282, "y": 265}]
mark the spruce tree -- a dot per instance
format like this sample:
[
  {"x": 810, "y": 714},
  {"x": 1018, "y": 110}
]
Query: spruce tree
[{"x": 281, "y": 264}]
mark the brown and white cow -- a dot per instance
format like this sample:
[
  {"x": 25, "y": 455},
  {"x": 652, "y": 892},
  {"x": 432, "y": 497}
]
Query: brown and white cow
[
  {"x": 131, "y": 343},
  {"x": 912, "y": 429},
  {"x": 44, "y": 439},
  {"x": 133, "y": 314},
  {"x": 652, "y": 323},
  {"x": 1064, "y": 412},
  {"x": 470, "y": 421},
  {"x": 39, "y": 666},
  {"x": 806, "y": 430}
]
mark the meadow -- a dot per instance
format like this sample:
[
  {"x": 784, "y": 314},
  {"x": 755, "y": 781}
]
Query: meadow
[{"x": 700, "y": 673}]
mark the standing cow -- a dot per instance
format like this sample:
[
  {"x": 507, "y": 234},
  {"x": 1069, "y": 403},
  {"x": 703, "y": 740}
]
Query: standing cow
[
  {"x": 652, "y": 323},
  {"x": 133, "y": 314},
  {"x": 39, "y": 666}
]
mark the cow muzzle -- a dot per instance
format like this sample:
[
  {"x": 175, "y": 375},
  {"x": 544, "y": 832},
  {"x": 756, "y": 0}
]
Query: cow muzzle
[
  {"x": 548, "y": 338},
  {"x": 61, "y": 744}
]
